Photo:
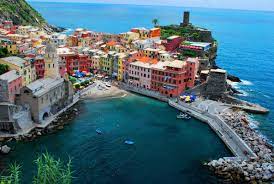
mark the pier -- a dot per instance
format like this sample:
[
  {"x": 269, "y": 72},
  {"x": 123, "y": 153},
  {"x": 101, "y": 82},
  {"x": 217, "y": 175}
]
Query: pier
[{"x": 237, "y": 146}]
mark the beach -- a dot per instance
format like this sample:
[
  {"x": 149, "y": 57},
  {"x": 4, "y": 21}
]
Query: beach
[{"x": 99, "y": 90}]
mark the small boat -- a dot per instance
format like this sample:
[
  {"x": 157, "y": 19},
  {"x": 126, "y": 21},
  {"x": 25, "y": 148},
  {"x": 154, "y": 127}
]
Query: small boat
[
  {"x": 183, "y": 116},
  {"x": 108, "y": 84},
  {"x": 129, "y": 142},
  {"x": 98, "y": 131}
]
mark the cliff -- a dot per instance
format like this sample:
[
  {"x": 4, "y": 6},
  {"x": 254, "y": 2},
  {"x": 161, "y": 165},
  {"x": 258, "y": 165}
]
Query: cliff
[{"x": 21, "y": 13}]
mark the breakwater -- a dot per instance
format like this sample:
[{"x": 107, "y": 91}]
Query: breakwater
[
  {"x": 237, "y": 146},
  {"x": 243, "y": 142}
]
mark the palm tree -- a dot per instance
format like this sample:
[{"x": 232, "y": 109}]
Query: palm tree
[{"x": 155, "y": 22}]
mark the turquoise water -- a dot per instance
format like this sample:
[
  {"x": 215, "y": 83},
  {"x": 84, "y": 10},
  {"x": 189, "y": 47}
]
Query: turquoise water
[
  {"x": 246, "y": 39},
  {"x": 166, "y": 150}
]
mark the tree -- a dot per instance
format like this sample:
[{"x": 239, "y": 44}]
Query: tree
[
  {"x": 155, "y": 22},
  {"x": 72, "y": 79},
  {"x": 3, "y": 68},
  {"x": 49, "y": 171},
  {"x": 4, "y": 52},
  {"x": 77, "y": 86}
]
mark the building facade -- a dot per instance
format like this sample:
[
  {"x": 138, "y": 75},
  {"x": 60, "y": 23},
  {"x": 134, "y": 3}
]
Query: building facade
[
  {"x": 171, "y": 78},
  {"x": 22, "y": 66},
  {"x": 10, "y": 85}
]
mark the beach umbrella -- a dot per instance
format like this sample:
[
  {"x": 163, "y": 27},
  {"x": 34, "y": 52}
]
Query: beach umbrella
[{"x": 187, "y": 99}]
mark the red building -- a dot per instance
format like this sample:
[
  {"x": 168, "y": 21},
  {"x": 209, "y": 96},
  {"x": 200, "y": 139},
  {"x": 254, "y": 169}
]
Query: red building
[
  {"x": 75, "y": 62},
  {"x": 172, "y": 43},
  {"x": 84, "y": 62},
  {"x": 39, "y": 64},
  {"x": 171, "y": 78}
]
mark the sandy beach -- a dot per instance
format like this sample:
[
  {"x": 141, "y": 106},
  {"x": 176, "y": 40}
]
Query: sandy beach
[{"x": 100, "y": 90}]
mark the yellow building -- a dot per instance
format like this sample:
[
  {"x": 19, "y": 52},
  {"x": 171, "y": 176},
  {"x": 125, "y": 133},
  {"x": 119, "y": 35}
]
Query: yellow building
[
  {"x": 121, "y": 68},
  {"x": 22, "y": 66},
  {"x": 11, "y": 47},
  {"x": 95, "y": 61},
  {"x": 106, "y": 62},
  {"x": 130, "y": 36}
]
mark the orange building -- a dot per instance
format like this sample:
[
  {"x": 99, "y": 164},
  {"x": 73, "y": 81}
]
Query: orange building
[{"x": 155, "y": 32}]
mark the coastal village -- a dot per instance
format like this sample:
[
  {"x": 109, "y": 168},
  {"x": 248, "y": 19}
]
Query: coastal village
[{"x": 44, "y": 74}]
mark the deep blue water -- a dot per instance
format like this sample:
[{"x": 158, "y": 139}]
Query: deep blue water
[
  {"x": 166, "y": 150},
  {"x": 246, "y": 39}
]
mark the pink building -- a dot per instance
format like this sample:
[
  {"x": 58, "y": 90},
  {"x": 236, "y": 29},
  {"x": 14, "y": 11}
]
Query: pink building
[
  {"x": 139, "y": 72},
  {"x": 10, "y": 85},
  {"x": 172, "y": 43}
]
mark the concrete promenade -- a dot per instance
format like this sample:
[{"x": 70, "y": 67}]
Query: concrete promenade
[
  {"x": 144, "y": 92},
  {"x": 237, "y": 146}
]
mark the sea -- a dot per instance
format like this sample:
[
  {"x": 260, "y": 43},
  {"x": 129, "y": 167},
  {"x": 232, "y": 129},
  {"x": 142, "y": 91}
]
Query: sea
[{"x": 166, "y": 150}]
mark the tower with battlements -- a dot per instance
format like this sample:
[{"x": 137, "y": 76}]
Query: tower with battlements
[{"x": 186, "y": 19}]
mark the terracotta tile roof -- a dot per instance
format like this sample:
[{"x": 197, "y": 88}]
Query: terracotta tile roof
[
  {"x": 147, "y": 60},
  {"x": 111, "y": 43}
]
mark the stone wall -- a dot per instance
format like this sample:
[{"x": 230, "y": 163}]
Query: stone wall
[{"x": 216, "y": 85}]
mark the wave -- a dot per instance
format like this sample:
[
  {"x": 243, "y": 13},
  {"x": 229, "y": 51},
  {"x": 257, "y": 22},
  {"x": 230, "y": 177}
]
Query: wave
[
  {"x": 246, "y": 83},
  {"x": 252, "y": 122},
  {"x": 67, "y": 30},
  {"x": 243, "y": 93}
]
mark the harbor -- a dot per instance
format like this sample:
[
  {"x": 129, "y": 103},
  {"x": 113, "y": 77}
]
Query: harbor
[{"x": 92, "y": 78}]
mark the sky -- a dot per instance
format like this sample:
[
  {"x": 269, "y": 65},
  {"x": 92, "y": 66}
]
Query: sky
[{"x": 226, "y": 4}]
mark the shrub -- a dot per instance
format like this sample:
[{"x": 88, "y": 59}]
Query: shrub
[{"x": 49, "y": 171}]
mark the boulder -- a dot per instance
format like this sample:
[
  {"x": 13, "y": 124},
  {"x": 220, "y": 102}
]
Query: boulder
[
  {"x": 250, "y": 167},
  {"x": 5, "y": 149},
  {"x": 60, "y": 127}
]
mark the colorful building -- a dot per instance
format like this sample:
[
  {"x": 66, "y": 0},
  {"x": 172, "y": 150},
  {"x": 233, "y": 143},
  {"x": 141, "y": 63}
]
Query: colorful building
[
  {"x": 121, "y": 67},
  {"x": 22, "y": 66},
  {"x": 95, "y": 62},
  {"x": 10, "y": 85},
  {"x": 11, "y": 47},
  {"x": 172, "y": 43},
  {"x": 139, "y": 72},
  {"x": 155, "y": 33},
  {"x": 171, "y": 78},
  {"x": 39, "y": 64}
]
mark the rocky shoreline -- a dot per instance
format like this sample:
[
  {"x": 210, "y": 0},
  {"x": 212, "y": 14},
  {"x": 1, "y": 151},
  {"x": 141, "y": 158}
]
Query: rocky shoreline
[
  {"x": 253, "y": 170},
  {"x": 58, "y": 124}
]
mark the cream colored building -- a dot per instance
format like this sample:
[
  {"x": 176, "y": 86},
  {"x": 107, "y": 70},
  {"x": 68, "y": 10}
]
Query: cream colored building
[
  {"x": 22, "y": 66},
  {"x": 46, "y": 97}
]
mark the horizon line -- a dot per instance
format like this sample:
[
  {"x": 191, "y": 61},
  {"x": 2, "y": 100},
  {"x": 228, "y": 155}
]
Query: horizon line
[{"x": 178, "y": 6}]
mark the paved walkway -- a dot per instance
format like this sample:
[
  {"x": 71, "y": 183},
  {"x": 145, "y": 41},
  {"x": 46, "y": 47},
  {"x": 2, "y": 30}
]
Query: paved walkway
[{"x": 207, "y": 113}]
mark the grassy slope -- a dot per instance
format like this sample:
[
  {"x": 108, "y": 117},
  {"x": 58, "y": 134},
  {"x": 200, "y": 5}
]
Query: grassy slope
[{"x": 20, "y": 12}]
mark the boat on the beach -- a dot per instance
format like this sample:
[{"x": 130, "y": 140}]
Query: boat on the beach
[
  {"x": 99, "y": 131},
  {"x": 129, "y": 142},
  {"x": 183, "y": 116}
]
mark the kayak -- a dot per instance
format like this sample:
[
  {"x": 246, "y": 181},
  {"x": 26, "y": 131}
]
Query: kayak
[
  {"x": 129, "y": 142},
  {"x": 98, "y": 131}
]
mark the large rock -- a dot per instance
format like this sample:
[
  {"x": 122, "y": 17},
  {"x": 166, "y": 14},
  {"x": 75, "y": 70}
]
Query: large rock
[{"x": 5, "y": 149}]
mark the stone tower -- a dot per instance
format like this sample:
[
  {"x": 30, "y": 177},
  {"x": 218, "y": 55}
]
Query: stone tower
[
  {"x": 51, "y": 62},
  {"x": 186, "y": 19}
]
